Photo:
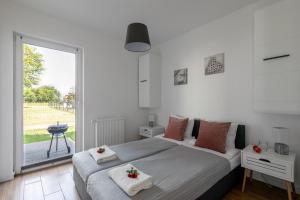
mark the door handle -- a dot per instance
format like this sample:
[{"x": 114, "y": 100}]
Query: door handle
[
  {"x": 143, "y": 81},
  {"x": 276, "y": 57}
]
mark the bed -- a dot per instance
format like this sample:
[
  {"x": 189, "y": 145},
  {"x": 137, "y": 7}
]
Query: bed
[
  {"x": 84, "y": 165},
  {"x": 186, "y": 185}
]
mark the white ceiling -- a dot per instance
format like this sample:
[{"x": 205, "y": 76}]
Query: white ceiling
[{"x": 165, "y": 18}]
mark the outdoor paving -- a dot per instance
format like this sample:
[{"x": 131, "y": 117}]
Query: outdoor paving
[{"x": 37, "y": 152}]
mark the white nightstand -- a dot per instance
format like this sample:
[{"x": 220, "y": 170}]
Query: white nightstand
[
  {"x": 269, "y": 163},
  {"x": 147, "y": 131}
]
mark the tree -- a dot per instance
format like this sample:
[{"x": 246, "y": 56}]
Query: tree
[
  {"x": 33, "y": 66},
  {"x": 41, "y": 94},
  {"x": 29, "y": 95},
  {"x": 47, "y": 94},
  {"x": 70, "y": 98}
]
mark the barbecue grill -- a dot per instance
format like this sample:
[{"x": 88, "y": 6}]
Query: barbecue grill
[{"x": 58, "y": 131}]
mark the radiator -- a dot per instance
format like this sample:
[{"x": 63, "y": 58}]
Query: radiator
[{"x": 109, "y": 130}]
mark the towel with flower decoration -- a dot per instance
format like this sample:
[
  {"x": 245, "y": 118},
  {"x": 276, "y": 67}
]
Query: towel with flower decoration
[
  {"x": 131, "y": 185},
  {"x": 105, "y": 156}
]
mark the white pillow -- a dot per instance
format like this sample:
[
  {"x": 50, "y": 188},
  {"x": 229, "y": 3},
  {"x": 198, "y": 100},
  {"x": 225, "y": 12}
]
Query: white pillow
[
  {"x": 230, "y": 140},
  {"x": 189, "y": 127}
]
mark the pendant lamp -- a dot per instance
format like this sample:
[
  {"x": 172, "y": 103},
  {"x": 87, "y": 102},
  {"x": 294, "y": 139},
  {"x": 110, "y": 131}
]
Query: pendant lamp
[{"x": 137, "y": 38}]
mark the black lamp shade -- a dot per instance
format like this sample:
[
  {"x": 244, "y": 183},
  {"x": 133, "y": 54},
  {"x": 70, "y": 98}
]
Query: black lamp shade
[{"x": 137, "y": 38}]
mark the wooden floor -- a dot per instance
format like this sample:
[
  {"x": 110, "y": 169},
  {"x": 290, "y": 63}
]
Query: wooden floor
[
  {"x": 256, "y": 190},
  {"x": 56, "y": 183}
]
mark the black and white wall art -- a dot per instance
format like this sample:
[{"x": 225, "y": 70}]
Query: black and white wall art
[
  {"x": 180, "y": 76},
  {"x": 214, "y": 64}
]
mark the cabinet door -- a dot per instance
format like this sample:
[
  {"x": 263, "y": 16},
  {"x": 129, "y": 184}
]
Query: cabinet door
[
  {"x": 149, "y": 81},
  {"x": 155, "y": 81},
  {"x": 144, "y": 68},
  {"x": 144, "y": 95},
  {"x": 144, "y": 82},
  {"x": 277, "y": 79},
  {"x": 277, "y": 82}
]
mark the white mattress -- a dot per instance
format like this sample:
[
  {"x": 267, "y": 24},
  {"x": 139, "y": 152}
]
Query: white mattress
[
  {"x": 235, "y": 161},
  {"x": 232, "y": 155}
]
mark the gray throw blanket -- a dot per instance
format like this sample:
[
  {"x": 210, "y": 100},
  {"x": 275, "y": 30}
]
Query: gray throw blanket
[
  {"x": 86, "y": 165},
  {"x": 179, "y": 173}
]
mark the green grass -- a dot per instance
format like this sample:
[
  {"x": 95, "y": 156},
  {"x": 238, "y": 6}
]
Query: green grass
[
  {"x": 37, "y": 118},
  {"x": 39, "y": 115},
  {"x": 31, "y": 136}
]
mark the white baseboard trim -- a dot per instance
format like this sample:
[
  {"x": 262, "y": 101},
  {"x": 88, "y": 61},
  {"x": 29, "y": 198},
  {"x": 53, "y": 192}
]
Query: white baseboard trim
[
  {"x": 297, "y": 188},
  {"x": 272, "y": 181},
  {"x": 7, "y": 178}
]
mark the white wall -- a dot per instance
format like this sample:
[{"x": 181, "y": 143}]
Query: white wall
[
  {"x": 227, "y": 96},
  {"x": 110, "y": 74}
]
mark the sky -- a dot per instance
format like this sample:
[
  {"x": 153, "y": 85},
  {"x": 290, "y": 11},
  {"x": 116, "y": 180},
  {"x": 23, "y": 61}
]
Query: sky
[{"x": 59, "y": 69}]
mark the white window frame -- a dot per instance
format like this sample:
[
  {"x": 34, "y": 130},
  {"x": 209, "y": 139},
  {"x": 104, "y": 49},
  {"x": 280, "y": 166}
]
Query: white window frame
[{"x": 19, "y": 40}]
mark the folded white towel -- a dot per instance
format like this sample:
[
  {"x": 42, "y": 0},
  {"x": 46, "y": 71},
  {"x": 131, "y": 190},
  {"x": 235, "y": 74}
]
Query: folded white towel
[
  {"x": 106, "y": 156},
  {"x": 130, "y": 185}
]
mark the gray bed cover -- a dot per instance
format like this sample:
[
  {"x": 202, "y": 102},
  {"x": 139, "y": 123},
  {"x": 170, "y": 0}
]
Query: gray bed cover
[
  {"x": 126, "y": 152},
  {"x": 179, "y": 173}
]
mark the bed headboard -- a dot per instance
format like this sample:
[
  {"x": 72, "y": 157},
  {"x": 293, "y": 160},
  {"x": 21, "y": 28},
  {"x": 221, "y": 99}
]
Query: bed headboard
[{"x": 239, "y": 139}]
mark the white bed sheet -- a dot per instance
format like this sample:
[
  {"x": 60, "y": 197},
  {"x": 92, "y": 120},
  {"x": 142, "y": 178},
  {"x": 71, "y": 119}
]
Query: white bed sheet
[{"x": 232, "y": 155}]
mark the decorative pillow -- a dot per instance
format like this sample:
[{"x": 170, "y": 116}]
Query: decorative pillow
[
  {"x": 176, "y": 128},
  {"x": 212, "y": 135},
  {"x": 189, "y": 127}
]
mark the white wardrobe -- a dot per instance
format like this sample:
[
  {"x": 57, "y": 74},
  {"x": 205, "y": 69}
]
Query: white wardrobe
[
  {"x": 277, "y": 58},
  {"x": 149, "y": 81}
]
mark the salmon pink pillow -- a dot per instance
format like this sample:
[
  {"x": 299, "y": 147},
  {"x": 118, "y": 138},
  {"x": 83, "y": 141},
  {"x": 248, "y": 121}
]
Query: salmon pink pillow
[
  {"x": 213, "y": 135},
  {"x": 176, "y": 128}
]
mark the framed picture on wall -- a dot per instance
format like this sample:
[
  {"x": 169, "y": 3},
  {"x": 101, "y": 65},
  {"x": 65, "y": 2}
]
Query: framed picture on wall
[
  {"x": 180, "y": 76},
  {"x": 214, "y": 64}
]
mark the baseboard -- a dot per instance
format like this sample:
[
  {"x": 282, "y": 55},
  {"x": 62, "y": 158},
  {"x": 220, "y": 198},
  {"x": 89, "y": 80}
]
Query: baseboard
[
  {"x": 7, "y": 178},
  {"x": 272, "y": 181},
  {"x": 297, "y": 188}
]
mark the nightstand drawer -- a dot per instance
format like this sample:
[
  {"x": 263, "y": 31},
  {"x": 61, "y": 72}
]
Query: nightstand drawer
[
  {"x": 146, "y": 131},
  {"x": 270, "y": 166}
]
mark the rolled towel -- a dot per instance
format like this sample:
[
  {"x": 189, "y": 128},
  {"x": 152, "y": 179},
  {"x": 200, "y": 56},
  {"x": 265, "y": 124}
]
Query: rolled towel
[
  {"x": 130, "y": 185},
  {"x": 106, "y": 156}
]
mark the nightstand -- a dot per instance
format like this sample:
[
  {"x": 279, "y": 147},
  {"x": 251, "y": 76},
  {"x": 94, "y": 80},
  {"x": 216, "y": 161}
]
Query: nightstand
[
  {"x": 147, "y": 131},
  {"x": 269, "y": 163}
]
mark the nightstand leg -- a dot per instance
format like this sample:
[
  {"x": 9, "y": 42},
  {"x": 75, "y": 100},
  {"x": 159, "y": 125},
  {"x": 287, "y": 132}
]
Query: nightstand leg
[
  {"x": 289, "y": 189},
  {"x": 245, "y": 178},
  {"x": 250, "y": 175},
  {"x": 293, "y": 187}
]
